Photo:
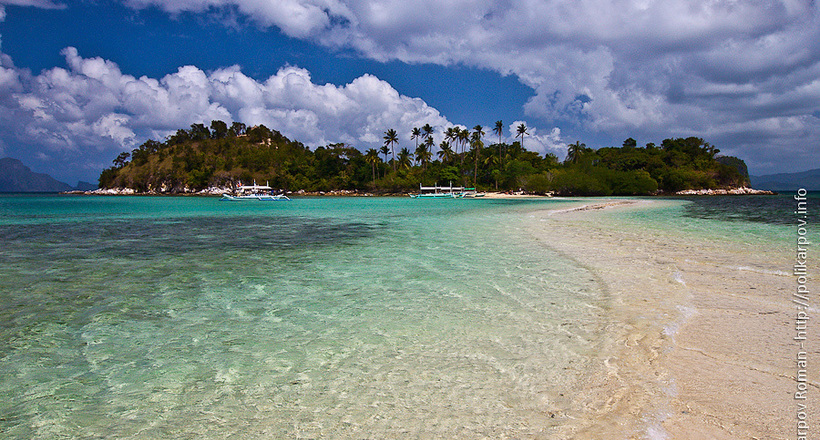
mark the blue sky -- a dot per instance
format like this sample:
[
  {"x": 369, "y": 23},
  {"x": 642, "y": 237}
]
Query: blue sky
[{"x": 82, "y": 81}]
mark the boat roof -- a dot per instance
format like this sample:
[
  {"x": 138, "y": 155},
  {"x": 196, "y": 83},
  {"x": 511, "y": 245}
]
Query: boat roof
[{"x": 254, "y": 187}]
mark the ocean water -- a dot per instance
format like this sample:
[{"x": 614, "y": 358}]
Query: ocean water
[
  {"x": 776, "y": 209},
  {"x": 184, "y": 317},
  {"x": 765, "y": 221}
]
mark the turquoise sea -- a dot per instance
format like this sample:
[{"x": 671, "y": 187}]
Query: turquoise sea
[{"x": 186, "y": 317}]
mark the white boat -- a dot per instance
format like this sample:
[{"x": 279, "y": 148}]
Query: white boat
[
  {"x": 253, "y": 192},
  {"x": 439, "y": 192}
]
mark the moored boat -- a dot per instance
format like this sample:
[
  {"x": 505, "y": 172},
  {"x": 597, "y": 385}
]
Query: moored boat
[
  {"x": 262, "y": 193},
  {"x": 439, "y": 192},
  {"x": 445, "y": 192}
]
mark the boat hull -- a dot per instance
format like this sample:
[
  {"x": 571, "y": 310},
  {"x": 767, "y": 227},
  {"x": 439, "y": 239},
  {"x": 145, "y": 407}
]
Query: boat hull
[
  {"x": 254, "y": 197},
  {"x": 434, "y": 196}
]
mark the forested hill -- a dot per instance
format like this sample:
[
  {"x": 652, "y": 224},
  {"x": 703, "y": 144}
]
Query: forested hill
[{"x": 222, "y": 155}]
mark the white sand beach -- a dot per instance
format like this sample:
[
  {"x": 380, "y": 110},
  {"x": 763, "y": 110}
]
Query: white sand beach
[{"x": 701, "y": 331}]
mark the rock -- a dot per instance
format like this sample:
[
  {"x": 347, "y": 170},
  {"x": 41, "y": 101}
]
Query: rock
[{"x": 723, "y": 192}]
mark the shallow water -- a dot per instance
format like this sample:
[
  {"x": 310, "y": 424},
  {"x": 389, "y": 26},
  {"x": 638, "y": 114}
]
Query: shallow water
[
  {"x": 159, "y": 317},
  {"x": 175, "y": 317},
  {"x": 718, "y": 285}
]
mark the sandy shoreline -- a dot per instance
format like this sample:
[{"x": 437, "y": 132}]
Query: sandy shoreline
[{"x": 700, "y": 331}]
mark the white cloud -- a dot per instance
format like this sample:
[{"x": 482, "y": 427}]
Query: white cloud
[
  {"x": 648, "y": 68},
  {"x": 92, "y": 105},
  {"x": 741, "y": 72},
  {"x": 44, "y": 4},
  {"x": 549, "y": 143},
  {"x": 296, "y": 18}
]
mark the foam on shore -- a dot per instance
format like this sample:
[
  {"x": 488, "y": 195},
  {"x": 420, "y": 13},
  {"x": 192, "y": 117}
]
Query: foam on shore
[{"x": 699, "y": 344}]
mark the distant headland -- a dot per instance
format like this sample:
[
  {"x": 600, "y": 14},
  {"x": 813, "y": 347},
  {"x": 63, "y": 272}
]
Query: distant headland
[{"x": 15, "y": 177}]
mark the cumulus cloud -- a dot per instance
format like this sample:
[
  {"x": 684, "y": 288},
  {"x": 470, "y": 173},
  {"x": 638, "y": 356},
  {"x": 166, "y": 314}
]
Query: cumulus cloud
[
  {"x": 93, "y": 105},
  {"x": 43, "y": 4},
  {"x": 297, "y": 18},
  {"x": 624, "y": 67},
  {"x": 742, "y": 74},
  {"x": 548, "y": 143}
]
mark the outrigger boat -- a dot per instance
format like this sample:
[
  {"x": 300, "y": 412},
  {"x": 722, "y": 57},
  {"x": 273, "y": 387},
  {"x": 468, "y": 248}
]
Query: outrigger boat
[
  {"x": 253, "y": 192},
  {"x": 445, "y": 192}
]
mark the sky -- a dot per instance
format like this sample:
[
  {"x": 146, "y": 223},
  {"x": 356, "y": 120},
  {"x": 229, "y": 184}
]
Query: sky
[{"x": 82, "y": 81}]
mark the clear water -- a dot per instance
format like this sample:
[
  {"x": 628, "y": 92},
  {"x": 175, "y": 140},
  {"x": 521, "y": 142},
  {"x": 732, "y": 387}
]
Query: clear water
[
  {"x": 174, "y": 317},
  {"x": 769, "y": 209},
  {"x": 766, "y": 221}
]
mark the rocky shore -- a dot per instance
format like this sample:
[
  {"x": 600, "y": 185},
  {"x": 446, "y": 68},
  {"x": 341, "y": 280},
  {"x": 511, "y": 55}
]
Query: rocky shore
[
  {"x": 742, "y": 191},
  {"x": 212, "y": 191},
  {"x": 218, "y": 191}
]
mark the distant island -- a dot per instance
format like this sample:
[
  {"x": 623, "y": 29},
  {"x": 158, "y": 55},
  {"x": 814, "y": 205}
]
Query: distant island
[
  {"x": 17, "y": 177},
  {"x": 809, "y": 180},
  {"x": 221, "y": 156}
]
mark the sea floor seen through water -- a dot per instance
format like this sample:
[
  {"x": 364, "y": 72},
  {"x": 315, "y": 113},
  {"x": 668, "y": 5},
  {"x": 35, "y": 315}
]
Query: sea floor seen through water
[{"x": 174, "y": 317}]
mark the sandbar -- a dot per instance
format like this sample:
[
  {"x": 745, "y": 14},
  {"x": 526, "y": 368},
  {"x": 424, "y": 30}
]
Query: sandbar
[{"x": 699, "y": 335}]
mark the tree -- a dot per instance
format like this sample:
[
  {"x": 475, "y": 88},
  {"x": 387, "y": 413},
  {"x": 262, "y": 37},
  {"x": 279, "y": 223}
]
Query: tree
[
  {"x": 199, "y": 132},
  {"x": 477, "y": 144},
  {"x": 428, "y": 131},
  {"x": 219, "y": 130},
  {"x": 390, "y": 139},
  {"x": 491, "y": 162},
  {"x": 405, "y": 158},
  {"x": 445, "y": 153},
  {"x": 423, "y": 153},
  {"x": 179, "y": 137},
  {"x": 574, "y": 152},
  {"x": 385, "y": 151},
  {"x": 372, "y": 157},
  {"x": 463, "y": 137},
  {"x": 522, "y": 130},
  {"x": 499, "y": 130},
  {"x": 450, "y": 134},
  {"x": 237, "y": 129},
  {"x": 122, "y": 159},
  {"x": 415, "y": 134}
]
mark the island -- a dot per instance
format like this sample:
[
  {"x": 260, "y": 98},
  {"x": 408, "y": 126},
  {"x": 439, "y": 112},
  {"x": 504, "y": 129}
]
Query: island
[{"x": 212, "y": 159}]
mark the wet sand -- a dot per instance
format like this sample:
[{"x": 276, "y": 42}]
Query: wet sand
[{"x": 700, "y": 335}]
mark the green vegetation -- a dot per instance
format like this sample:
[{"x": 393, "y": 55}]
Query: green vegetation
[{"x": 222, "y": 155}]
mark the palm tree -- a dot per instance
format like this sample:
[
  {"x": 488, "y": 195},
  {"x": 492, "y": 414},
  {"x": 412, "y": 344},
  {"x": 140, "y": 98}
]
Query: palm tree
[
  {"x": 575, "y": 151},
  {"x": 450, "y": 134},
  {"x": 491, "y": 162},
  {"x": 423, "y": 153},
  {"x": 445, "y": 153},
  {"x": 522, "y": 130},
  {"x": 428, "y": 131},
  {"x": 478, "y": 132},
  {"x": 499, "y": 130},
  {"x": 415, "y": 134},
  {"x": 372, "y": 157},
  {"x": 463, "y": 137},
  {"x": 390, "y": 139},
  {"x": 384, "y": 150},
  {"x": 405, "y": 158}
]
